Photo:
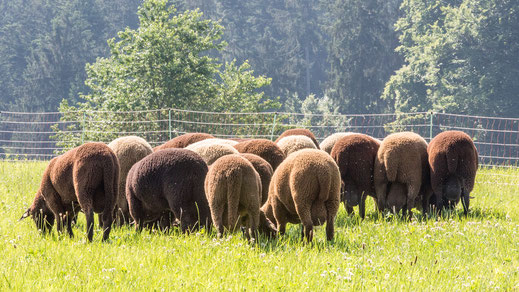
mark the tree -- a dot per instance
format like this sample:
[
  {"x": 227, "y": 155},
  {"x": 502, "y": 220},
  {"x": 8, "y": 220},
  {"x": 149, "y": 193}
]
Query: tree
[
  {"x": 361, "y": 52},
  {"x": 461, "y": 56},
  {"x": 164, "y": 63}
]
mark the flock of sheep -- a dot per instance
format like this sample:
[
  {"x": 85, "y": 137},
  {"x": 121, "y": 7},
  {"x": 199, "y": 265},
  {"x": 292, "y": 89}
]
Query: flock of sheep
[{"x": 257, "y": 185}]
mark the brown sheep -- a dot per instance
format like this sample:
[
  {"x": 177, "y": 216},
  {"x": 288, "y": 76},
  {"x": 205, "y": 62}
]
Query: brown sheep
[
  {"x": 355, "y": 155},
  {"x": 305, "y": 188},
  {"x": 211, "y": 152},
  {"x": 329, "y": 142},
  {"x": 264, "y": 148},
  {"x": 291, "y": 144},
  {"x": 233, "y": 190},
  {"x": 168, "y": 180},
  {"x": 87, "y": 176},
  {"x": 453, "y": 159},
  {"x": 129, "y": 150},
  {"x": 303, "y": 132},
  {"x": 401, "y": 158},
  {"x": 183, "y": 141},
  {"x": 264, "y": 170}
]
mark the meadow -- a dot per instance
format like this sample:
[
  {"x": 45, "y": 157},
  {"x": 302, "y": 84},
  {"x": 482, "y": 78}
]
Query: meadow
[{"x": 451, "y": 252}]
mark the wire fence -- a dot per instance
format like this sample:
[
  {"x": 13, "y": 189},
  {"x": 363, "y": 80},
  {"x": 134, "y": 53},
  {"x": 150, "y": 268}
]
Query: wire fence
[{"x": 41, "y": 136}]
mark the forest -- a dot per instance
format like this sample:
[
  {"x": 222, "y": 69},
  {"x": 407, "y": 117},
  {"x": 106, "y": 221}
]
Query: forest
[{"x": 348, "y": 56}]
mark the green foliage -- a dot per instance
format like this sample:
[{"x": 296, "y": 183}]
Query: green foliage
[
  {"x": 440, "y": 254},
  {"x": 461, "y": 57},
  {"x": 164, "y": 63}
]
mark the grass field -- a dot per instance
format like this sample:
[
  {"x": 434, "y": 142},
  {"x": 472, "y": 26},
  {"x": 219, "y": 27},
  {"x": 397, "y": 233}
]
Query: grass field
[{"x": 480, "y": 252}]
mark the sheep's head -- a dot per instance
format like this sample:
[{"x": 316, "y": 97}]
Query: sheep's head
[
  {"x": 350, "y": 194},
  {"x": 266, "y": 218},
  {"x": 452, "y": 190},
  {"x": 41, "y": 214}
]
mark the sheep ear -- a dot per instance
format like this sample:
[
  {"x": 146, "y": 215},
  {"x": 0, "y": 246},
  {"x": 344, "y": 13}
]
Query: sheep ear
[{"x": 26, "y": 214}]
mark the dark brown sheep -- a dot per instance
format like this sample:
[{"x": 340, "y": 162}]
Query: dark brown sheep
[
  {"x": 129, "y": 150},
  {"x": 303, "y": 132},
  {"x": 233, "y": 190},
  {"x": 183, "y": 141},
  {"x": 264, "y": 170},
  {"x": 401, "y": 159},
  {"x": 305, "y": 188},
  {"x": 355, "y": 155},
  {"x": 169, "y": 180},
  {"x": 264, "y": 148},
  {"x": 87, "y": 176},
  {"x": 453, "y": 159}
]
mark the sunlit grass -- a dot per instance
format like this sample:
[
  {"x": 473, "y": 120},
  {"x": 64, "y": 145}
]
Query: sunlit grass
[{"x": 453, "y": 252}]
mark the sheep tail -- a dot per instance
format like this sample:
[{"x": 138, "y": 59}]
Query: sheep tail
[
  {"x": 452, "y": 161},
  {"x": 234, "y": 182}
]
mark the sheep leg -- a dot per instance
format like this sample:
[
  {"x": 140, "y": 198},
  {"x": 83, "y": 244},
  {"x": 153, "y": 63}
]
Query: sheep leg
[
  {"x": 107, "y": 223},
  {"x": 381, "y": 191},
  {"x": 254, "y": 222},
  {"x": 89, "y": 213},
  {"x": 349, "y": 209},
  {"x": 217, "y": 215},
  {"x": 55, "y": 204},
  {"x": 412, "y": 193},
  {"x": 305, "y": 214},
  {"x": 280, "y": 214},
  {"x": 137, "y": 212},
  {"x": 465, "y": 202},
  {"x": 332, "y": 207},
  {"x": 362, "y": 206}
]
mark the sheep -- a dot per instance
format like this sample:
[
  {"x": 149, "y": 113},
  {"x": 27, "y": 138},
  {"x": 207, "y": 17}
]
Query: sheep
[
  {"x": 264, "y": 170},
  {"x": 303, "y": 132},
  {"x": 453, "y": 159},
  {"x": 233, "y": 190},
  {"x": 305, "y": 188},
  {"x": 168, "y": 180},
  {"x": 215, "y": 141},
  {"x": 329, "y": 142},
  {"x": 129, "y": 150},
  {"x": 401, "y": 158},
  {"x": 239, "y": 140},
  {"x": 183, "y": 141},
  {"x": 86, "y": 176},
  {"x": 210, "y": 152},
  {"x": 355, "y": 155},
  {"x": 291, "y": 144},
  {"x": 264, "y": 148}
]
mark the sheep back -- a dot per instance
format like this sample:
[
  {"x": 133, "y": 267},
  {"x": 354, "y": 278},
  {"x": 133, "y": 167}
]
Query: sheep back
[
  {"x": 303, "y": 132},
  {"x": 233, "y": 188},
  {"x": 264, "y": 148},
  {"x": 210, "y": 152},
  {"x": 291, "y": 144},
  {"x": 329, "y": 142},
  {"x": 129, "y": 150},
  {"x": 183, "y": 141},
  {"x": 168, "y": 180}
]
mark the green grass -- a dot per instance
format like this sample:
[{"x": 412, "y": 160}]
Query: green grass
[{"x": 479, "y": 252}]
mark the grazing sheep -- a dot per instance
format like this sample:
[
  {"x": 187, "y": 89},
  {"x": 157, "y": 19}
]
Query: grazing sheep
[
  {"x": 183, "y": 141},
  {"x": 329, "y": 142},
  {"x": 87, "y": 175},
  {"x": 453, "y": 159},
  {"x": 401, "y": 159},
  {"x": 129, "y": 150},
  {"x": 298, "y": 132},
  {"x": 264, "y": 170},
  {"x": 305, "y": 188},
  {"x": 355, "y": 155},
  {"x": 168, "y": 180},
  {"x": 233, "y": 189},
  {"x": 210, "y": 152},
  {"x": 264, "y": 148},
  {"x": 291, "y": 144}
]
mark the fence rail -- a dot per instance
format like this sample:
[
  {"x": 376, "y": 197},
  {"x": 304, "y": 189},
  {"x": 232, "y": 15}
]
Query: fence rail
[{"x": 41, "y": 136}]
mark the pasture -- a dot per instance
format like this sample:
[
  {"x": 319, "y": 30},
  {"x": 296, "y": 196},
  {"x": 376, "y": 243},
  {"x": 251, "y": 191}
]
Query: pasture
[{"x": 453, "y": 252}]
